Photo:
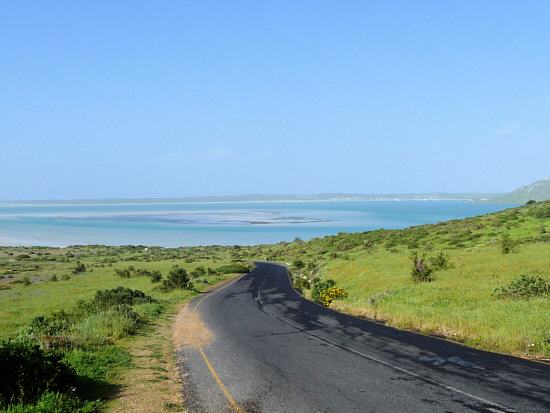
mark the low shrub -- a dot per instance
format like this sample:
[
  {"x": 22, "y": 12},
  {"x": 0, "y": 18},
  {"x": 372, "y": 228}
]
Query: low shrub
[
  {"x": 28, "y": 371},
  {"x": 525, "y": 286},
  {"x": 79, "y": 268},
  {"x": 156, "y": 277},
  {"x": 440, "y": 262},
  {"x": 507, "y": 245},
  {"x": 177, "y": 278},
  {"x": 421, "y": 271},
  {"x": 120, "y": 296},
  {"x": 54, "y": 402},
  {"x": 104, "y": 326},
  {"x": 330, "y": 294},
  {"x": 542, "y": 211},
  {"x": 98, "y": 365},
  {"x": 200, "y": 271},
  {"x": 301, "y": 283},
  {"x": 131, "y": 272},
  {"x": 319, "y": 287},
  {"x": 325, "y": 292}
]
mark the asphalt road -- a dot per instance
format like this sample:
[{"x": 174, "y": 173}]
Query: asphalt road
[{"x": 272, "y": 351}]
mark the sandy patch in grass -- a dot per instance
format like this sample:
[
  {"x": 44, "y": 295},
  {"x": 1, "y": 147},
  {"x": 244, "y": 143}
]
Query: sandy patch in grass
[{"x": 189, "y": 330}]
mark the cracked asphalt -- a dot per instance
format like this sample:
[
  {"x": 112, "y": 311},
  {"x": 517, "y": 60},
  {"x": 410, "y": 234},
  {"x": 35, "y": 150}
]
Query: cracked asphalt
[{"x": 272, "y": 351}]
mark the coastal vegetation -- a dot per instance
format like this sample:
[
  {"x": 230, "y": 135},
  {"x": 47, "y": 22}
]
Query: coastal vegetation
[
  {"x": 76, "y": 316},
  {"x": 90, "y": 312}
]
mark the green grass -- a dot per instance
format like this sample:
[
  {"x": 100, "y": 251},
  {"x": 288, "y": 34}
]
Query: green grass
[
  {"x": 92, "y": 335},
  {"x": 374, "y": 267},
  {"x": 459, "y": 304}
]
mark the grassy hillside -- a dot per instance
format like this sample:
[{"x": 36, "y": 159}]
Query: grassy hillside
[
  {"x": 463, "y": 301},
  {"x": 537, "y": 191}
]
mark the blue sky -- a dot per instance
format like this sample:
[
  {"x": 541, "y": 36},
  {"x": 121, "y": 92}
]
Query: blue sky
[{"x": 135, "y": 99}]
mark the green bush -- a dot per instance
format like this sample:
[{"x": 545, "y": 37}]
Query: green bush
[
  {"x": 301, "y": 283},
  {"x": 177, "y": 278},
  {"x": 542, "y": 211},
  {"x": 53, "y": 402},
  {"x": 525, "y": 286},
  {"x": 104, "y": 326},
  {"x": 98, "y": 365},
  {"x": 119, "y": 296},
  {"x": 54, "y": 324},
  {"x": 28, "y": 371},
  {"x": 440, "y": 262},
  {"x": 421, "y": 271},
  {"x": 200, "y": 271},
  {"x": 156, "y": 277},
  {"x": 507, "y": 245},
  {"x": 79, "y": 268},
  {"x": 324, "y": 292},
  {"x": 319, "y": 287}
]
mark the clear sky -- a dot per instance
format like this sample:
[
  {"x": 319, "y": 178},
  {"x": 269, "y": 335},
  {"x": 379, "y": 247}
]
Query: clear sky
[{"x": 177, "y": 98}]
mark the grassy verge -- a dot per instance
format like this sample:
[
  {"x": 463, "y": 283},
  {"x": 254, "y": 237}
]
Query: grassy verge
[
  {"x": 152, "y": 384},
  {"x": 459, "y": 304},
  {"x": 83, "y": 332},
  {"x": 503, "y": 252}
]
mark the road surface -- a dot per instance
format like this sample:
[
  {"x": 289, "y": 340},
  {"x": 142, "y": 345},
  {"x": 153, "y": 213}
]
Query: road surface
[{"x": 265, "y": 349}]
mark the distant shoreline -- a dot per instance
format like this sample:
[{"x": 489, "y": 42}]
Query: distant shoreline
[{"x": 169, "y": 201}]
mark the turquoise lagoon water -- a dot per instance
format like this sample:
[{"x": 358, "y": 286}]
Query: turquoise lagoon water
[{"x": 228, "y": 223}]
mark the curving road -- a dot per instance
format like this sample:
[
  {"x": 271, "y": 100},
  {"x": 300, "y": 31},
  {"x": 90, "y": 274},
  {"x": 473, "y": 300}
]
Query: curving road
[{"x": 272, "y": 351}]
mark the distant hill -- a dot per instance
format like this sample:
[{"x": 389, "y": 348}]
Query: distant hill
[
  {"x": 433, "y": 196},
  {"x": 537, "y": 191}
]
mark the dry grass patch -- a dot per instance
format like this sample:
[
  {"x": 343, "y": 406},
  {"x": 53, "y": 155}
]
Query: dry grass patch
[
  {"x": 189, "y": 330},
  {"x": 153, "y": 385}
]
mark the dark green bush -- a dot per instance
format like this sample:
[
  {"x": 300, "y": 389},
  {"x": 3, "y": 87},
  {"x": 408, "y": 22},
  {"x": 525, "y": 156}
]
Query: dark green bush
[
  {"x": 507, "y": 245},
  {"x": 177, "y": 278},
  {"x": 319, "y": 287},
  {"x": 540, "y": 209},
  {"x": 156, "y": 277},
  {"x": 54, "y": 324},
  {"x": 120, "y": 296},
  {"x": 525, "y": 286},
  {"x": 79, "y": 268},
  {"x": 200, "y": 271},
  {"x": 421, "y": 271},
  {"x": 28, "y": 371}
]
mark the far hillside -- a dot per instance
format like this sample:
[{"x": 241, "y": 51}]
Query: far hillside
[
  {"x": 483, "y": 281},
  {"x": 537, "y": 191}
]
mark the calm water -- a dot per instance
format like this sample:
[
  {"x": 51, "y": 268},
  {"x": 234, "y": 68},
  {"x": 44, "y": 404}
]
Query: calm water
[{"x": 216, "y": 223}]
